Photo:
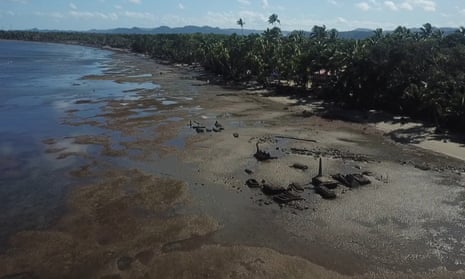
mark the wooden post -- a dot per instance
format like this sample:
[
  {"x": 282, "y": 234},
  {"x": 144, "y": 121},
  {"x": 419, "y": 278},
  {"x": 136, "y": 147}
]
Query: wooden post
[{"x": 320, "y": 168}]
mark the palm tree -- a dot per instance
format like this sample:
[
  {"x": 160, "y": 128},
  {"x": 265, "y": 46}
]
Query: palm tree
[
  {"x": 319, "y": 32},
  {"x": 241, "y": 23},
  {"x": 426, "y": 30},
  {"x": 273, "y": 19}
]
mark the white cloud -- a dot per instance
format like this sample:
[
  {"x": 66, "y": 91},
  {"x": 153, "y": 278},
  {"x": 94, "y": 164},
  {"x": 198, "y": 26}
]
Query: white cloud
[
  {"x": 181, "y": 6},
  {"x": 135, "y": 1},
  {"x": 10, "y": 13},
  {"x": 244, "y": 2},
  {"x": 406, "y": 6},
  {"x": 54, "y": 15},
  {"x": 364, "y": 6},
  {"x": 265, "y": 4},
  {"x": 427, "y": 5},
  {"x": 73, "y": 6},
  {"x": 391, "y": 5},
  {"x": 138, "y": 15},
  {"x": 118, "y": 7},
  {"x": 93, "y": 15}
]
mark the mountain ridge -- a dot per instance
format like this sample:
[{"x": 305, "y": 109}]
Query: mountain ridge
[{"x": 359, "y": 33}]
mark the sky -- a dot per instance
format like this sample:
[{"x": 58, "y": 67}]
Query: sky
[{"x": 293, "y": 14}]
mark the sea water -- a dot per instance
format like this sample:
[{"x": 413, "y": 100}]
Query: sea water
[{"x": 39, "y": 83}]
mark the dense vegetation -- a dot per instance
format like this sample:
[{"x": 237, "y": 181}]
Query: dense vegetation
[{"x": 420, "y": 74}]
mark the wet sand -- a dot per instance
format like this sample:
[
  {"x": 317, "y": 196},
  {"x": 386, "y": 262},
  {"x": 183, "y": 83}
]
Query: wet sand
[{"x": 155, "y": 199}]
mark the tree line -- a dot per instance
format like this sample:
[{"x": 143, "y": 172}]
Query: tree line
[{"x": 419, "y": 74}]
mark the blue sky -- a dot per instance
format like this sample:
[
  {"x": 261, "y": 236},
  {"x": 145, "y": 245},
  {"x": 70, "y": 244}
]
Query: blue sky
[{"x": 294, "y": 14}]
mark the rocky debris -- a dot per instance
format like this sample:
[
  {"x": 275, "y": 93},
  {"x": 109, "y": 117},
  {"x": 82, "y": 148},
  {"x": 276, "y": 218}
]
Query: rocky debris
[
  {"x": 307, "y": 113},
  {"x": 286, "y": 197},
  {"x": 248, "y": 171},
  {"x": 261, "y": 155},
  {"x": 218, "y": 125},
  {"x": 326, "y": 181},
  {"x": 124, "y": 263},
  {"x": 270, "y": 189},
  {"x": 299, "y": 166},
  {"x": 352, "y": 180},
  {"x": 199, "y": 128},
  {"x": 236, "y": 135},
  {"x": 325, "y": 193},
  {"x": 423, "y": 167},
  {"x": 331, "y": 153},
  {"x": 252, "y": 183},
  {"x": 296, "y": 187}
]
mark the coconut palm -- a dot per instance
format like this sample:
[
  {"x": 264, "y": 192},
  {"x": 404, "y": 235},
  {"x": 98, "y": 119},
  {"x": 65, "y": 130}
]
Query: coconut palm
[
  {"x": 241, "y": 23},
  {"x": 273, "y": 19}
]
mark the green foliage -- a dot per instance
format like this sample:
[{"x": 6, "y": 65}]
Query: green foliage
[{"x": 418, "y": 74}]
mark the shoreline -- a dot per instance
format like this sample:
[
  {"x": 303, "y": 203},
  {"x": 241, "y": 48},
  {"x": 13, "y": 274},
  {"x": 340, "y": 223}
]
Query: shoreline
[{"x": 212, "y": 198}]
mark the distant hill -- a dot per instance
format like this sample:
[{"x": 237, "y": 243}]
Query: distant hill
[
  {"x": 358, "y": 34},
  {"x": 190, "y": 29}
]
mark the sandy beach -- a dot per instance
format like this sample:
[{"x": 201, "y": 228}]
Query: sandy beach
[{"x": 156, "y": 198}]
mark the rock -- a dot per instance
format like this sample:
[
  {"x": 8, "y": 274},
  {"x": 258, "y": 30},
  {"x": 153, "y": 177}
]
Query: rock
[
  {"x": 269, "y": 189},
  {"x": 307, "y": 113},
  {"x": 299, "y": 166},
  {"x": 252, "y": 183},
  {"x": 248, "y": 171},
  {"x": 236, "y": 135},
  {"x": 124, "y": 263},
  {"x": 352, "y": 180},
  {"x": 200, "y": 130},
  {"x": 325, "y": 193},
  {"x": 326, "y": 181},
  {"x": 296, "y": 187},
  {"x": 368, "y": 173},
  {"x": 423, "y": 167},
  {"x": 216, "y": 130},
  {"x": 218, "y": 125},
  {"x": 286, "y": 197},
  {"x": 362, "y": 180},
  {"x": 262, "y": 155}
]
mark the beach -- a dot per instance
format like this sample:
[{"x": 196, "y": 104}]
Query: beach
[{"x": 159, "y": 191}]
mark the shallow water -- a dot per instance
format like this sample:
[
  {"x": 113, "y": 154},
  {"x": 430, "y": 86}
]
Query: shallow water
[{"x": 40, "y": 84}]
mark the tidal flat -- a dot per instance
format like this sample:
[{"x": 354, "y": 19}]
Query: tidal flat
[{"x": 150, "y": 196}]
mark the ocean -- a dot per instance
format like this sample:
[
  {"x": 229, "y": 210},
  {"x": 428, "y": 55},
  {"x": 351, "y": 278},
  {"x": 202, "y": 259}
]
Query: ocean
[{"x": 39, "y": 82}]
